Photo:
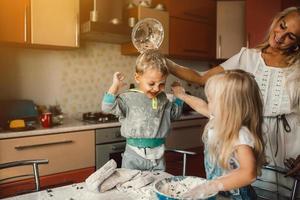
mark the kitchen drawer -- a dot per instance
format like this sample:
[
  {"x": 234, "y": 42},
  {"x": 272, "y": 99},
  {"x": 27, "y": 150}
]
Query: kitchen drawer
[{"x": 65, "y": 152}]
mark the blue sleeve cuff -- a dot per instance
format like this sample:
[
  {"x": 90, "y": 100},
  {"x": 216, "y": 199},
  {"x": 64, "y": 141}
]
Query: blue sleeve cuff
[
  {"x": 109, "y": 98},
  {"x": 178, "y": 102}
]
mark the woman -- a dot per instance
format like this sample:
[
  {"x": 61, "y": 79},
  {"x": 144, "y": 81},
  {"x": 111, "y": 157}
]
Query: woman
[{"x": 276, "y": 66}]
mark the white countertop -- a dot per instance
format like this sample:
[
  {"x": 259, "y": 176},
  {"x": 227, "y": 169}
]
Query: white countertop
[
  {"x": 71, "y": 125},
  {"x": 80, "y": 192}
]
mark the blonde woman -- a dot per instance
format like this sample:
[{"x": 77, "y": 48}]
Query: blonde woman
[
  {"x": 234, "y": 150},
  {"x": 276, "y": 67}
]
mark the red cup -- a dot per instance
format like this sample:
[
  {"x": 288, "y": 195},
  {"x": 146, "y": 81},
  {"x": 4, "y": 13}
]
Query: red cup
[{"x": 46, "y": 119}]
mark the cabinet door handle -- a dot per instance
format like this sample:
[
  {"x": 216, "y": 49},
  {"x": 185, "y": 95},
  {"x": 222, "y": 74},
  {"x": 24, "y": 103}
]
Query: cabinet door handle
[
  {"x": 77, "y": 31},
  {"x": 248, "y": 40},
  {"x": 25, "y": 24},
  {"x": 43, "y": 144},
  {"x": 220, "y": 47}
]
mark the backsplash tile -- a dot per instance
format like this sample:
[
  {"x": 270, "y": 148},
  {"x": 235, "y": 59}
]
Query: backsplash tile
[
  {"x": 75, "y": 79},
  {"x": 88, "y": 74}
]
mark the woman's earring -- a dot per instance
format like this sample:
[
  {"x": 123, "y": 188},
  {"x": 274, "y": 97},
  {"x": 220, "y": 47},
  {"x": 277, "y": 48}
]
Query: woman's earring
[{"x": 296, "y": 48}]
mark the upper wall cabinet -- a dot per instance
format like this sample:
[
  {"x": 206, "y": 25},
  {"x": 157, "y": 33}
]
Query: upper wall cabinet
[
  {"x": 55, "y": 22},
  {"x": 259, "y": 15},
  {"x": 192, "y": 28},
  {"x": 36, "y": 22},
  {"x": 230, "y": 28},
  {"x": 14, "y": 20}
]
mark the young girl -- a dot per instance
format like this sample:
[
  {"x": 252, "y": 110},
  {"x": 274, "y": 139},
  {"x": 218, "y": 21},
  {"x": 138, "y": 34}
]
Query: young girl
[
  {"x": 234, "y": 151},
  {"x": 145, "y": 113}
]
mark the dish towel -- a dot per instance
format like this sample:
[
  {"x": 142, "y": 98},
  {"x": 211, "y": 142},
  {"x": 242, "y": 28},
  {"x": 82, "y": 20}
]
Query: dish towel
[
  {"x": 94, "y": 180},
  {"x": 120, "y": 176},
  {"x": 142, "y": 179}
]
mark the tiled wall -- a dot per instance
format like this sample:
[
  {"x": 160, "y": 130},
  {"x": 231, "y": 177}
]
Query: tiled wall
[{"x": 75, "y": 79}]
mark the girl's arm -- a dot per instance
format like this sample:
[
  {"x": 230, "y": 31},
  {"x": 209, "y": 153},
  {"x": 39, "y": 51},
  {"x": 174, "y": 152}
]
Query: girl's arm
[
  {"x": 192, "y": 75},
  {"x": 243, "y": 176},
  {"x": 199, "y": 105}
]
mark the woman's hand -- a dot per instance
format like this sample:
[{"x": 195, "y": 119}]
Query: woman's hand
[
  {"x": 177, "y": 89},
  {"x": 293, "y": 165},
  {"x": 204, "y": 190}
]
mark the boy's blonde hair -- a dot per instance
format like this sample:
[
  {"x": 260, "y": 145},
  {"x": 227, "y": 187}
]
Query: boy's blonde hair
[
  {"x": 151, "y": 59},
  {"x": 236, "y": 101}
]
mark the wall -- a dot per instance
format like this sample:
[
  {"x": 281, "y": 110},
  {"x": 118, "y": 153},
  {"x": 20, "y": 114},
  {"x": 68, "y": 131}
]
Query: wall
[{"x": 75, "y": 79}]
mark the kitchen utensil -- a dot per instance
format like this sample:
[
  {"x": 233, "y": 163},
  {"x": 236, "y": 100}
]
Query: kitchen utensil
[
  {"x": 147, "y": 34},
  {"x": 173, "y": 188},
  {"x": 46, "y": 119}
]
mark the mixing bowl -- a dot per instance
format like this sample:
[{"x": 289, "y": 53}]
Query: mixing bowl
[{"x": 173, "y": 188}]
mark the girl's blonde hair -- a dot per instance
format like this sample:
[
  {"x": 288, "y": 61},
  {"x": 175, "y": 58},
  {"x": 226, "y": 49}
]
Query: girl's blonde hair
[
  {"x": 292, "y": 58},
  {"x": 236, "y": 101},
  {"x": 293, "y": 53},
  {"x": 151, "y": 59}
]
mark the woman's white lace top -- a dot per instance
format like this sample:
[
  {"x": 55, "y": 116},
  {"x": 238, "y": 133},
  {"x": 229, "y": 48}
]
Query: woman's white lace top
[{"x": 271, "y": 80}]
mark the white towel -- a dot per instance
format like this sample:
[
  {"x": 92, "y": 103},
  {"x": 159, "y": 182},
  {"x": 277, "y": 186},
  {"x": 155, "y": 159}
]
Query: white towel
[
  {"x": 94, "y": 180},
  {"x": 139, "y": 181},
  {"x": 118, "y": 177}
]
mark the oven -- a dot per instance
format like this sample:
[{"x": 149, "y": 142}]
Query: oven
[{"x": 109, "y": 145}]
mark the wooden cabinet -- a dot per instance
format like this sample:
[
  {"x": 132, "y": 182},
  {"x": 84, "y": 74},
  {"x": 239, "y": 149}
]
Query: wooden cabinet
[
  {"x": 55, "y": 22},
  {"x": 195, "y": 10},
  {"x": 259, "y": 15},
  {"x": 230, "y": 28},
  {"x": 35, "y": 22},
  {"x": 186, "y": 135},
  {"x": 140, "y": 12},
  {"x": 69, "y": 154},
  {"x": 14, "y": 21},
  {"x": 189, "y": 40},
  {"x": 192, "y": 28}
]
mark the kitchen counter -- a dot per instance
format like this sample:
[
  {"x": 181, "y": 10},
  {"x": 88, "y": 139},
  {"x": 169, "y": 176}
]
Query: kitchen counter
[
  {"x": 79, "y": 191},
  {"x": 71, "y": 125}
]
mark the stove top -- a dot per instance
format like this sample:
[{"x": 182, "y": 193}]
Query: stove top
[{"x": 98, "y": 117}]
